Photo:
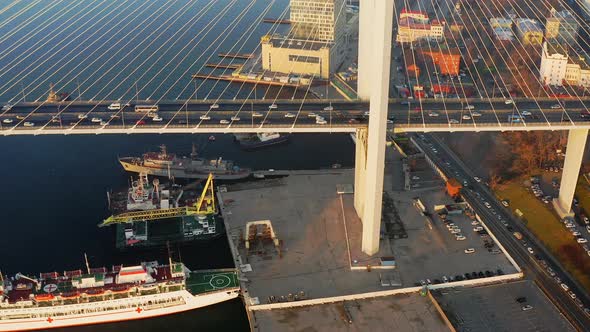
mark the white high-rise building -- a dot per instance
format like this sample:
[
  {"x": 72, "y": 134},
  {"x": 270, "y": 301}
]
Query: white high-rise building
[
  {"x": 553, "y": 64},
  {"x": 316, "y": 44},
  {"x": 322, "y": 20},
  {"x": 557, "y": 68}
]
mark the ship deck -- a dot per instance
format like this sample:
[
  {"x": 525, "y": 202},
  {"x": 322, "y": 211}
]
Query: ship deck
[{"x": 199, "y": 282}]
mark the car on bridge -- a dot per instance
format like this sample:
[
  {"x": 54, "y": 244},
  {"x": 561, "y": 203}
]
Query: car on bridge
[
  {"x": 7, "y": 121},
  {"x": 205, "y": 117},
  {"x": 256, "y": 115},
  {"x": 82, "y": 116},
  {"x": 433, "y": 114},
  {"x": 235, "y": 118},
  {"x": 29, "y": 124},
  {"x": 466, "y": 117},
  {"x": 555, "y": 106},
  {"x": 223, "y": 121},
  {"x": 6, "y": 107},
  {"x": 469, "y": 107},
  {"x": 289, "y": 115}
]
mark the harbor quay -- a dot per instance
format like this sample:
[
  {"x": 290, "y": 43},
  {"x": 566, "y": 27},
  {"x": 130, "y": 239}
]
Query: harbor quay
[
  {"x": 296, "y": 241},
  {"x": 304, "y": 263}
]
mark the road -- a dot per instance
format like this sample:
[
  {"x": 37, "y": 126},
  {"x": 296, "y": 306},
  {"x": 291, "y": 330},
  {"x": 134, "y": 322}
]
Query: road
[
  {"x": 426, "y": 115},
  {"x": 477, "y": 194}
]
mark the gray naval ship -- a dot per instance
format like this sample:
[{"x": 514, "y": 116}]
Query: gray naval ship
[{"x": 169, "y": 165}]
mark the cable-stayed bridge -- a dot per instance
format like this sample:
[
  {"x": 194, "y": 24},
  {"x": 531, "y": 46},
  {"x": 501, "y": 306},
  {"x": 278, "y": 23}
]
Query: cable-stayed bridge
[
  {"x": 137, "y": 53},
  {"x": 292, "y": 116}
]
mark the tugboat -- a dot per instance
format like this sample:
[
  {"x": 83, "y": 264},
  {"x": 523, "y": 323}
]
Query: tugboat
[
  {"x": 169, "y": 165},
  {"x": 261, "y": 140}
]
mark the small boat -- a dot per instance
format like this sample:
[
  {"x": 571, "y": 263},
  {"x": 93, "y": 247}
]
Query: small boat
[{"x": 211, "y": 138}]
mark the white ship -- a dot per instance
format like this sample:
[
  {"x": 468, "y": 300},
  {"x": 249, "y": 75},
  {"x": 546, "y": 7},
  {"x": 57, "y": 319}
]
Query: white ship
[{"x": 99, "y": 296}]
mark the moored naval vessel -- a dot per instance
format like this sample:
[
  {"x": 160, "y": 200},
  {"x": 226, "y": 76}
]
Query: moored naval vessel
[
  {"x": 101, "y": 295},
  {"x": 169, "y": 165}
]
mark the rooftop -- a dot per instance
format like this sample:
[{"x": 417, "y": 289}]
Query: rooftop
[
  {"x": 298, "y": 44},
  {"x": 528, "y": 25}
]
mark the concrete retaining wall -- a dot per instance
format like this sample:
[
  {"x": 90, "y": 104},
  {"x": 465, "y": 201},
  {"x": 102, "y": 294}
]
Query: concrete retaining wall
[{"x": 334, "y": 299}]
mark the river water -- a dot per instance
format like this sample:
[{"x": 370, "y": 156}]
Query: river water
[{"x": 53, "y": 189}]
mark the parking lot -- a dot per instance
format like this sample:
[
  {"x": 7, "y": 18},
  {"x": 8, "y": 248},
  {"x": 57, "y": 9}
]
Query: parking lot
[
  {"x": 431, "y": 252},
  {"x": 436, "y": 253},
  {"x": 518, "y": 306}
]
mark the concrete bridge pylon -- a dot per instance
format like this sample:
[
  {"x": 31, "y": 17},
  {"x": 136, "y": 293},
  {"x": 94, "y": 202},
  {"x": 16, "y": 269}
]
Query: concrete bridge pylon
[{"x": 375, "y": 33}]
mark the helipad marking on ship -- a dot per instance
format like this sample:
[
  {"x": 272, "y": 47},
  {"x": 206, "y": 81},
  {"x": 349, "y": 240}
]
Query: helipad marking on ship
[
  {"x": 49, "y": 320},
  {"x": 219, "y": 281},
  {"x": 139, "y": 310}
]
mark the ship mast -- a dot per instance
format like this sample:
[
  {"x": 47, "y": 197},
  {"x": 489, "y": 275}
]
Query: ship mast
[{"x": 87, "y": 265}]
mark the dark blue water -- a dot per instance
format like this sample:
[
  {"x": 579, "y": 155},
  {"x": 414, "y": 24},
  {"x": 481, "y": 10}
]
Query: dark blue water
[
  {"x": 53, "y": 188},
  {"x": 54, "y": 194},
  {"x": 113, "y": 49}
]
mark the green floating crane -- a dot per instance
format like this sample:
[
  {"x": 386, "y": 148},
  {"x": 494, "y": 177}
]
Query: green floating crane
[{"x": 204, "y": 206}]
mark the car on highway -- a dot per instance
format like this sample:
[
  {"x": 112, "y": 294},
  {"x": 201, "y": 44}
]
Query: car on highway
[
  {"x": 530, "y": 250},
  {"x": 289, "y": 115},
  {"x": 214, "y": 106},
  {"x": 433, "y": 114},
  {"x": 7, "y": 121},
  {"x": 555, "y": 106},
  {"x": 453, "y": 121},
  {"x": 321, "y": 121},
  {"x": 223, "y": 121},
  {"x": 526, "y": 113},
  {"x": 527, "y": 307},
  {"x": 6, "y": 107},
  {"x": 469, "y": 107},
  {"x": 582, "y": 240},
  {"x": 466, "y": 117},
  {"x": 82, "y": 116},
  {"x": 469, "y": 250},
  {"x": 329, "y": 108},
  {"x": 460, "y": 237},
  {"x": 29, "y": 124},
  {"x": 205, "y": 117},
  {"x": 235, "y": 118}
]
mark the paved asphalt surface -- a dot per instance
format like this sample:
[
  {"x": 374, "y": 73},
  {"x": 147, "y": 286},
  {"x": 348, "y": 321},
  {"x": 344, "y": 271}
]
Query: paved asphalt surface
[
  {"x": 477, "y": 194},
  {"x": 442, "y": 115}
]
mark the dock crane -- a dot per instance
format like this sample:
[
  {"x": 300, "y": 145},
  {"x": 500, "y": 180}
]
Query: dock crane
[{"x": 204, "y": 206}]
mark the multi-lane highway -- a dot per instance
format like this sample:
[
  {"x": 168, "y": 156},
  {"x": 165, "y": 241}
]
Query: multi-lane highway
[
  {"x": 477, "y": 195},
  {"x": 293, "y": 115}
]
